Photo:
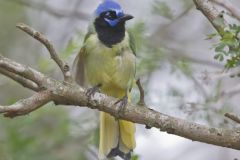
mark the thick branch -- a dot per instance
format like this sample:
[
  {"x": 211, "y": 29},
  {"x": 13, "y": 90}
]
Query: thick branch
[
  {"x": 40, "y": 37},
  {"x": 142, "y": 115},
  {"x": 71, "y": 94},
  {"x": 212, "y": 14}
]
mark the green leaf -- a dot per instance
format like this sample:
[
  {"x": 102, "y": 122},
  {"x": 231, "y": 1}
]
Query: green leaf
[
  {"x": 45, "y": 64},
  {"x": 228, "y": 35},
  {"x": 73, "y": 46},
  {"x": 229, "y": 46},
  {"x": 135, "y": 157},
  {"x": 219, "y": 57},
  {"x": 220, "y": 48},
  {"x": 211, "y": 36},
  {"x": 184, "y": 66},
  {"x": 137, "y": 30}
]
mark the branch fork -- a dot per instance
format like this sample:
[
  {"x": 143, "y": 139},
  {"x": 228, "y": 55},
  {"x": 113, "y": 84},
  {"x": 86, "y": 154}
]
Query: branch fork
[{"x": 41, "y": 38}]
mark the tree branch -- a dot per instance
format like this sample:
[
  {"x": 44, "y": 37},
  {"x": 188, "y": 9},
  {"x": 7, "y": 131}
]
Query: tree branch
[
  {"x": 233, "y": 117},
  {"x": 212, "y": 14},
  {"x": 142, "y": 94},
  {"x": 21, "y": 70},
  {"x": 232, "y": 9},
  {"x": 72, "y": 94},
  {"x": 230, "y": 93},
  {"x": 23, "y": 81},
  {"x": 26, "y": 106},
  {"x": 41, "y": 38}
]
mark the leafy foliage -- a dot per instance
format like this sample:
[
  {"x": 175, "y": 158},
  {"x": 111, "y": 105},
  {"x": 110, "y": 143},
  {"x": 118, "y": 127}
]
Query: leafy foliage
[
  {"x": 73, "y": 46},
  {"x": 135, "y": 157},
  {"x": 184, "y": 66},
  {"x": 148, "y": 56},
  {"x": 228, "y": 49},
  {"x": 46, "y": 134},
  {"x": 163, "y": 9}
]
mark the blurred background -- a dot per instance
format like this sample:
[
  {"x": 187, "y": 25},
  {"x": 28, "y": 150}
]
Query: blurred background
[{"x": 175, "y": 62}]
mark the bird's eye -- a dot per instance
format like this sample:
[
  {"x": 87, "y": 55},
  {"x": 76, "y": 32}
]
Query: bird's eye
[{"x": 110, "y": 15}]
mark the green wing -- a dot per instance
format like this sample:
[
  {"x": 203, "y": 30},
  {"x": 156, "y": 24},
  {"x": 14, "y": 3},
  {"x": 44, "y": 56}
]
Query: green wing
[
  {"x": 78, "y": 68},
  {"x": 78, "y": 64}
]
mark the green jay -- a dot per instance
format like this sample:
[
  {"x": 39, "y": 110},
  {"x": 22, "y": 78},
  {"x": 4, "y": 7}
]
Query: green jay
[{"x": 107, "y": 62}]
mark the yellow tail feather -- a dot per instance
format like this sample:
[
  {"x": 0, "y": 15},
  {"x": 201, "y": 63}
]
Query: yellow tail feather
[
  {"x": 115, "y": 135},
  {"x": 127, "y": 130}
]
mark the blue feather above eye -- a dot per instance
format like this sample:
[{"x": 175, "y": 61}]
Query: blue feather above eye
[
  {"x": 108, "y": 5},
  {"x": 112, "y": 22}
]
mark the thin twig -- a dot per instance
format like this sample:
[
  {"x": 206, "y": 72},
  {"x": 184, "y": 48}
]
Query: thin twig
[
  {"x": 23, "y": 81},
  {"x": 162, "y": 30},
  {"x": 142, "y": 94},
  {"x": 233, "y": 117},
  {"x": 40, "y": 37},
  {"x": 178, "y": 53},
  {"x": 230, "y": 93},
  {"x": 21, "y": 70}
]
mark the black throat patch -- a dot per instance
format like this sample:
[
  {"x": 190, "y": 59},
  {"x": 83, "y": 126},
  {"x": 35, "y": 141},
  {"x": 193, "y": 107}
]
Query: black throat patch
[{"x": 107, "y": 34}]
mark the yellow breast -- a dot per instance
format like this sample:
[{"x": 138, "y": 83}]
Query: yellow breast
[{"x": 114, "y": 67}]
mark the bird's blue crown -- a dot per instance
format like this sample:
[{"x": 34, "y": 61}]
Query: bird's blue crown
[{"x": 110, "y": 5}]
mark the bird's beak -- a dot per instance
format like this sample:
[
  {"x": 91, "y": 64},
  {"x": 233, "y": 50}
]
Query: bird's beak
[{"x": 126, "y": 17}]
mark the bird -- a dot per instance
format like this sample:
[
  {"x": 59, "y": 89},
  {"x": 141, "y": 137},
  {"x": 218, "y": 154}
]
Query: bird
[{"x": 107, "y": 62}]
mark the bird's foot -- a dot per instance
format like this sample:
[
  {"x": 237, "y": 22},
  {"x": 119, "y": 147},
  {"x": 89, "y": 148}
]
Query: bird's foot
[
  {"x": 91, "y": 91},
  {"x": 122, "y": 104}
]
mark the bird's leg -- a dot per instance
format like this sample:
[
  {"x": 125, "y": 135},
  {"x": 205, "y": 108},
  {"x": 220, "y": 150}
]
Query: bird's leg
[
  {"x": 127, "y": 156},
  {"x": 91, "y": 91},
  {"x": 122, "y": 104}
]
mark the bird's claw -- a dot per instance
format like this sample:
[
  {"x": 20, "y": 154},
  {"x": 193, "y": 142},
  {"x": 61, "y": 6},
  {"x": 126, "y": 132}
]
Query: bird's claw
[
  {"x": 91, "y": 91},
  {"x": 122, "y": 104}
]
